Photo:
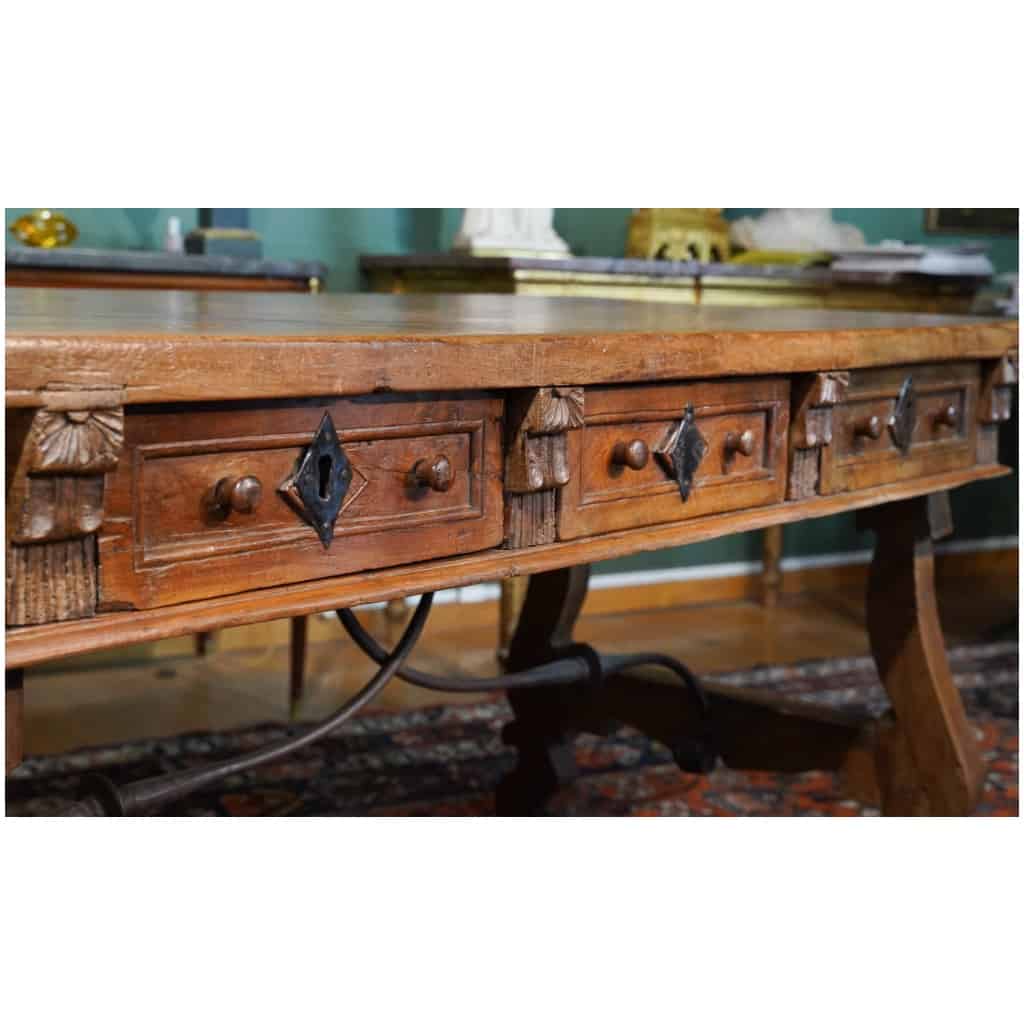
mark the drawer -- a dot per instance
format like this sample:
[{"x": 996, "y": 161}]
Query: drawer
[
  {"x": 941, "y": 428},
  {"x": 168, "y": 539},
  {"x": 607, "y": 493}
]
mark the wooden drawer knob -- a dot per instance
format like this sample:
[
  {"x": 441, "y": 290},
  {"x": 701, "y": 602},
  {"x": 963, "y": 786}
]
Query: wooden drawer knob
[
  {"x": 739, "y": 443},
  {"x": 870, "y": 427},
  {"x": 237, "y": 494},
  {"x": 436, "y": 473},
  {"x": 632, "y": 454},
  {"x": 948, "y": 417}
]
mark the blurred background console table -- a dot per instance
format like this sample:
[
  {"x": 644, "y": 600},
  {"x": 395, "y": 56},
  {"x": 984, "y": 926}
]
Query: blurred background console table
[
  {"x": 112, "y": 268},
  {"x": 689, "y": 283},
  {"x": 180, "y": 462}
]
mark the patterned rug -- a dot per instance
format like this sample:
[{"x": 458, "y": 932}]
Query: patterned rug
[{"x": 448, "y": 759}]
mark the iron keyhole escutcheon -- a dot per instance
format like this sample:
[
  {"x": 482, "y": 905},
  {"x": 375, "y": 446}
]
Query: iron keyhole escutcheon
[
  {"x": 320, "y": 482},
  {"x": 682, "y": 451},
  {"x": 904, "y": 417}
]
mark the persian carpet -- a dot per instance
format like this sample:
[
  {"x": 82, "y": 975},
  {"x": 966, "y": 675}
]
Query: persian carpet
[{"x": 448, "y": 759}]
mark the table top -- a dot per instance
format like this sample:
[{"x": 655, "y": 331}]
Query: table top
[
  {"x": 146, "y": 262},
  {"x": 164, "y": 346}
]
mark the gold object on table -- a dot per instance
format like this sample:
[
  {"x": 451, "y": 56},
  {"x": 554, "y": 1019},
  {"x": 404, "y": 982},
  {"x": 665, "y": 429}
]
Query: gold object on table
[
  {"x": 780, "y": 258},
  {"x": 44, "y": 229},
  {"x": 683, "y": 234}
]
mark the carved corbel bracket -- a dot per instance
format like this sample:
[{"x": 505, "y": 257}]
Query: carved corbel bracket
[
  {"x": 537, "y": 460},
  {"x": 815, "y": 395},
  {"x": 57, "y": 457},
  {"x": 998, "y": 379}
]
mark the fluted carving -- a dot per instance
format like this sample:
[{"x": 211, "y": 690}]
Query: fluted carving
[
  {"x": 815, "y": 395},
  {"x": 56, "y": 464},
  {"x": 537, "y": 461}
]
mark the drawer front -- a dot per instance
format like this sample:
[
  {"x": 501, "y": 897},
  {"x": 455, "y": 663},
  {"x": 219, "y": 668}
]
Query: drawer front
[
  {"x": 605, "y": 493},
  {"x": 864, "y": 452},
  {"x": 167, "y": 540}
]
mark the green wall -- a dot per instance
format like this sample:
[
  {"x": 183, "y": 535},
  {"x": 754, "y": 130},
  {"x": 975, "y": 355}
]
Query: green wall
[{"x": 336, "y": 237}]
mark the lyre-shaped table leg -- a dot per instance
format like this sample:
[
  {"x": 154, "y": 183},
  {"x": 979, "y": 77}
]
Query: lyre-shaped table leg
[
  {"x": 542, "y": 730},
  {"x": 929, "y": 763}
]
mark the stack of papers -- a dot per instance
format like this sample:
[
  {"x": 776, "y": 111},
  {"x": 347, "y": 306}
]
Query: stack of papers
[{"x": 889, "y": 258}]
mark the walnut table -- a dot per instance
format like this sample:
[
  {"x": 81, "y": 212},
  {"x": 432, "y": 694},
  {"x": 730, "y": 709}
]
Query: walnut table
[
  {"x": 689, "y": 283},
  {"x": 75, "y": 267},
  {"x": 178, "y": 463}
]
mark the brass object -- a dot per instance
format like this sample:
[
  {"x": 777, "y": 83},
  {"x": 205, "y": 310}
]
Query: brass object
[
  {"x": 237, "y": 494},
  {"x": 948, "y": 417},
  {"x": 869, "y": 427},
  {"x": 44, "y": 229},
  {"x": 436, "y": 473},
  {"x": 904, "y": 417},
  {"x": 780, "y": 257},
  {"x": 739, "y": 444},
  {"x": 682, "y": 451},
  {"x": 681, "y": 234},
  {"x": 632, "y": 454}
]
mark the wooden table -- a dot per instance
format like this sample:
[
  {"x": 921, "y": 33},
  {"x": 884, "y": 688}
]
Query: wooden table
[
  {"x": 685, "y": 282},
  {"x": 179, "y": 463},
  {"x": 74, "y": 267}
]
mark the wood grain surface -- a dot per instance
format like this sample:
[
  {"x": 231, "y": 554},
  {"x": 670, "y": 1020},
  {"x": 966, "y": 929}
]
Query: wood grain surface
[
  {"x": 602, "y": 496},
  {"x": 163, "y": 543},
  {"x": 854, "y": 460},
  {"x": 161, "y": 346},
  {"x": 929, "y": 761}
]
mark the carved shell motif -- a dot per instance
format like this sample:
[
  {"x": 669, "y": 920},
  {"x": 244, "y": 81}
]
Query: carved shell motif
[
  {"x": 555, "y": 410},
  {"x": 77, "y": 441},
  {"x": 832, "y": 387}
]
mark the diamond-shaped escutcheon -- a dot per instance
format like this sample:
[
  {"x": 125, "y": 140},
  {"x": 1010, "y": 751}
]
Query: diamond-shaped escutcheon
[
  {"x": 682, "y": 451},
  {"x": 320, "y": 482},
  {"x": 904, "y": 417}
]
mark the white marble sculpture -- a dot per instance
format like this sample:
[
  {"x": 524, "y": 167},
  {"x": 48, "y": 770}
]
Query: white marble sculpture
[
  {"x": 795, "y": 231},
  {"x": 509, "y": 231}
]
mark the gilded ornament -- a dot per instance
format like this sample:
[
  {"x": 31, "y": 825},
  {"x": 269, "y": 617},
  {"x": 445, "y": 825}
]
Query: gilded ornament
[{"x": 44, "y": 229}]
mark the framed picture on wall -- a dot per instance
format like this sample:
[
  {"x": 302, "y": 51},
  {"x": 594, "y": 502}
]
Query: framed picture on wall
[{"x": 972, "y": 222}]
